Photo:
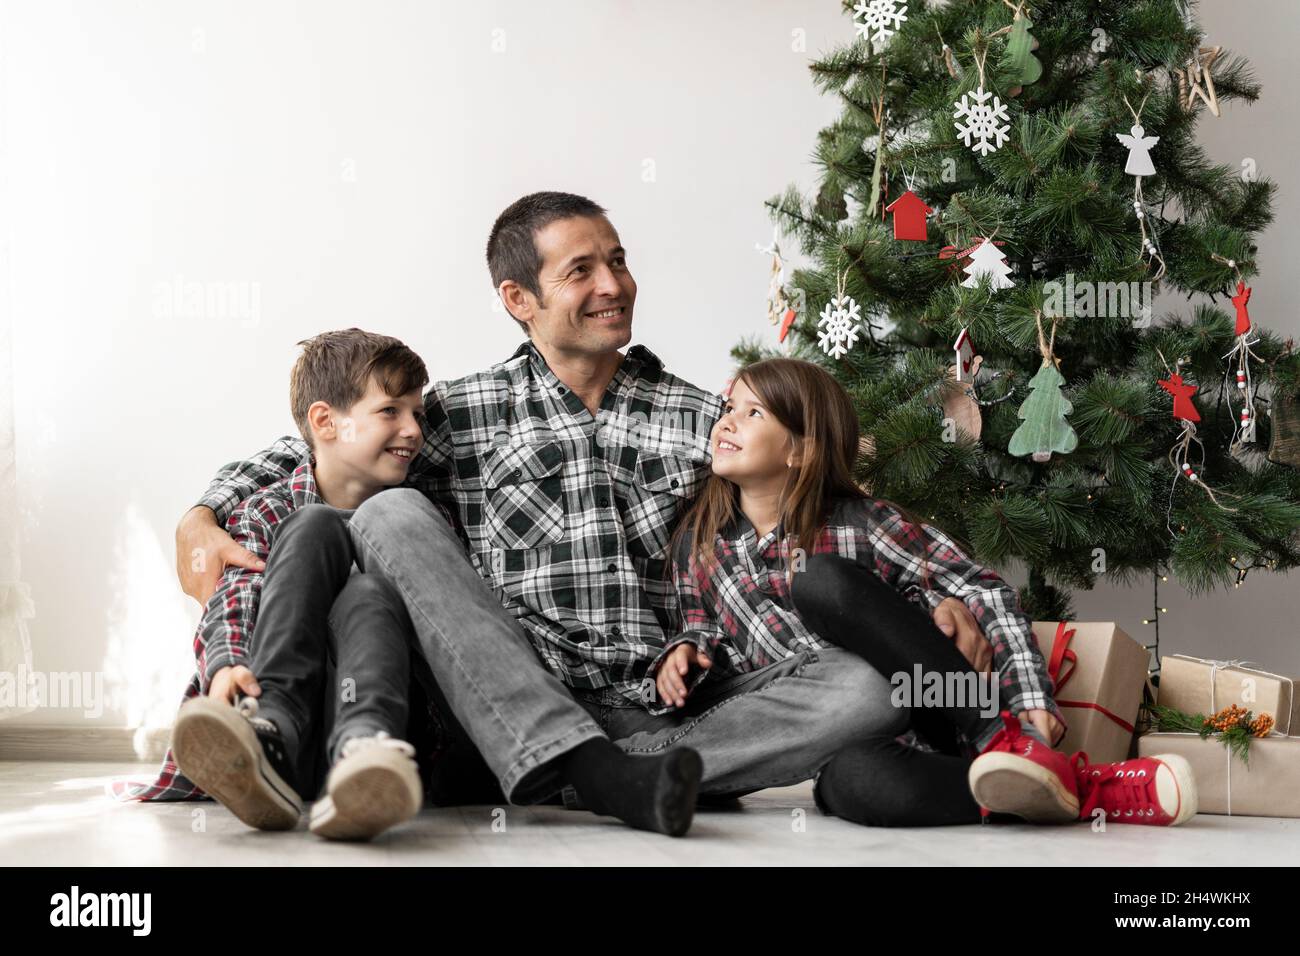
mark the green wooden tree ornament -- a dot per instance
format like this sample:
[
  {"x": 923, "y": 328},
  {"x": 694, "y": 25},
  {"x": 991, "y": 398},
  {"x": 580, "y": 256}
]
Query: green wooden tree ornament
[
  {"x": 1025, "y": 67},
  {"x": 1044, "y": 429}
]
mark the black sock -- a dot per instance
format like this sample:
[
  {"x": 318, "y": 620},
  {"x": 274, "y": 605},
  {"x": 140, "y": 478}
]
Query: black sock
[{"x": 650, "y": 793}]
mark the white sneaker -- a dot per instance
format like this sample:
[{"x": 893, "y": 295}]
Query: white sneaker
[{"x": 375, "y": 785}]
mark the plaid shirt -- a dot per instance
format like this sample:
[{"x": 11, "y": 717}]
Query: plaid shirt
[
  {"x": 567, "y": 515},
  {"x": 224, "y": 637},
  {"x": 741, "y": 614}
]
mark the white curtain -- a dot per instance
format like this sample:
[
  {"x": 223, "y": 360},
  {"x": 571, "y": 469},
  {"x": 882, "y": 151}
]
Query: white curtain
[{"x": 15, "y": 597}]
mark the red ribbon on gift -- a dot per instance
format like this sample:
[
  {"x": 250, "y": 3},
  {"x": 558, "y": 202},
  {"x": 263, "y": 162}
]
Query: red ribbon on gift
[{"x": 1062, "y": 654}]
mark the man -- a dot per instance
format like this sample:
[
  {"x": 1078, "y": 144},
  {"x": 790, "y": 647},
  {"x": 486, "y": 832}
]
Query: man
[{"x": 568, "y": 466}]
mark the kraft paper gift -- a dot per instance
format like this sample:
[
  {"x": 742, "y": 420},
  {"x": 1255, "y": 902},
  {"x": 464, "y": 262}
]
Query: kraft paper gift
[
  {"x": 1197, "y": 685},
  {"x": 1266, "y": 786},
  {"x": 1098, "y": 672}
]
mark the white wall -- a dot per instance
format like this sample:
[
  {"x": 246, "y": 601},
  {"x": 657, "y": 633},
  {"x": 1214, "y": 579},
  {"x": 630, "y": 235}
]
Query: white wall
[{"x": 340, "y": 164}]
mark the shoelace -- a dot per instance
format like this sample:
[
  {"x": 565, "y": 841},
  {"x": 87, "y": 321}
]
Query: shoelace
[
  {"x": 247, "y": 707},
  {"x": 1128, "y": 792},
  {"x": 381, "y": 739}
]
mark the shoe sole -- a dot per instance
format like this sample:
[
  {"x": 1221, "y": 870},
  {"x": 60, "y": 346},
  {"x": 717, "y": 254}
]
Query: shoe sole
[
  {"x": 676, "y": 790},
  {"x": 217, "y": 749},
  {"x": 1177, "y": 788},
  {"x": 367, "y": 794},
  {"x": 1005, "y": 783}
]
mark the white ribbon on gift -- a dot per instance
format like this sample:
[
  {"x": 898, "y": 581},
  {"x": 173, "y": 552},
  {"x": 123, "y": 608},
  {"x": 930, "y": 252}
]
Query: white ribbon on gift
[{"x": 1251, "y": 666}]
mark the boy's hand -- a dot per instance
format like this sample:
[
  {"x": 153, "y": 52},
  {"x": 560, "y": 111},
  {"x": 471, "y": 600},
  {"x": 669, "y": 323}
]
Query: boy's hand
[
  {"x": 954, "y": 618},
  {"x": 204, "y": 551},
  {"x": 672, "y": 673},
  {"x": 229, "y": 679},
  {"x": 1044, "y": 723}
]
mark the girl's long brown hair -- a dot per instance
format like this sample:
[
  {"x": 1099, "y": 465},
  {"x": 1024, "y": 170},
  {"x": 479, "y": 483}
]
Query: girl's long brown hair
[{"x": 823, "y": 424}]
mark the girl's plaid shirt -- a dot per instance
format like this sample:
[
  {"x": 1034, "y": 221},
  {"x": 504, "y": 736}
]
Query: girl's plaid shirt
[{"x": 741, "y": 614}]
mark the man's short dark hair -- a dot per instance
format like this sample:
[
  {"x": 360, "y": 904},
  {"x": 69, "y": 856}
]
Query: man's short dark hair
[{"x": 512, "y": 248}]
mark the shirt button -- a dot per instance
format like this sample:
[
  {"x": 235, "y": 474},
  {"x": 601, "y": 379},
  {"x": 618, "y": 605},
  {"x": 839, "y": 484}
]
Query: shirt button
[
  {"x": 612, "y": 568},
  {"x": 602, "y": 501},
  {"x": 675, "y": 483},
  {"x": 615, "y": 631}
]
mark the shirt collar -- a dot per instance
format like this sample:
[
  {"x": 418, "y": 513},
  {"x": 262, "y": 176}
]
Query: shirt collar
[
  {"x": 636, "y": 362},
  {"x": 302, "y": 485},
  {"x": 637, "y": 355}
]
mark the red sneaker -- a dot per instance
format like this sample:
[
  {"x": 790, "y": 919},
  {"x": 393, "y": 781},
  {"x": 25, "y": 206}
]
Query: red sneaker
[
  {"x": 1158, "y": 791},
  {"x": 1017, "y": 774}
]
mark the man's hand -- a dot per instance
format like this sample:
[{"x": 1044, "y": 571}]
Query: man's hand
[
  {"x": 229, "y": 679},
  {"x": 671, "y": 680},
  {"x": 954, "y": 618},
  {"x": 204, "y": 551}
]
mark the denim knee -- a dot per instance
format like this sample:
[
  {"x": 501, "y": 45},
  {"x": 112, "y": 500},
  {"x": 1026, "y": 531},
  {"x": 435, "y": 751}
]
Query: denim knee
[{"x": 318, "y": 521}]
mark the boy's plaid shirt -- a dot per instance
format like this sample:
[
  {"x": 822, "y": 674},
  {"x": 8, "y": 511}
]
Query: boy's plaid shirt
[
  {"x": 224, "y": 635},
  {"x": 741, "y": 615},
  {"x": 567, "y": 515}
]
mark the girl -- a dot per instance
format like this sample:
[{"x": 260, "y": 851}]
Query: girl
[{"x": 782, "y": 550}]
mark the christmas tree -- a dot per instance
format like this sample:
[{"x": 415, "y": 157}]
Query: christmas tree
[{"x": 1060, "y": 136}]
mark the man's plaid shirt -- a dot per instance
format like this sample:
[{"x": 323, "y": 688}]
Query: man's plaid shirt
[
  {"x": 225, "y": 633},
  {"x": 741, "y": 615},
  {"x": 567, "y": 515}
]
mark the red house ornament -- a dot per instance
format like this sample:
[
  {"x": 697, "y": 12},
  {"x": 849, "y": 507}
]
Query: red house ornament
[
  {"x": 909, "y": 216},
  {"x": 1184, "y": 409}
]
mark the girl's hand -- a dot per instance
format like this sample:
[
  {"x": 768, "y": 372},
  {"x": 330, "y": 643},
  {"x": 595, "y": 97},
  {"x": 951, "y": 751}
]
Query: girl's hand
[
  {"x": 954, "y": 618},
  {"x": 229, "y": 679},
  {"x": 671, "y": 682},
  {"x": 1044, "y": 723}
]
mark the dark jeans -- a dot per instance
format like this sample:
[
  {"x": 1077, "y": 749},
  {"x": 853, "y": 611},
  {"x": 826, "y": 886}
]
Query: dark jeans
[
  {"x": 878, "y": 781},
  {"x": 331, "y": 654},
  {"x": 335, "y": 658}
]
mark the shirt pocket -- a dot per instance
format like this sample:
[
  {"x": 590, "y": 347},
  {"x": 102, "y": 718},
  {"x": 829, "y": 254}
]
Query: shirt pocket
[
  {"x": 664, "y": 486},
  {"x": 524, "y": 495}
]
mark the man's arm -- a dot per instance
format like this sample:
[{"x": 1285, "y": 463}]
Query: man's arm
[{"x": 203, "y": 548}]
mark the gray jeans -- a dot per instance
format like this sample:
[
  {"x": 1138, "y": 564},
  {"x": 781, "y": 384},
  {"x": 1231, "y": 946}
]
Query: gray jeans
[{"x": 771, "y": 727}]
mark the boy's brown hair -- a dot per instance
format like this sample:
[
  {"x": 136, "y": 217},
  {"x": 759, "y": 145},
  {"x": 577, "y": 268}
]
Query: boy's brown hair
[{"x": 336, "y": 367}]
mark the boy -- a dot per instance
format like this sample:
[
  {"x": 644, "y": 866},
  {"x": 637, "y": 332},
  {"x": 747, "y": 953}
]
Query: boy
[{"x": 249, "y": 733}]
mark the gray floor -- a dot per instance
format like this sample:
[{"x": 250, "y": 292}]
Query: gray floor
[{"x": 54, "y": 813}]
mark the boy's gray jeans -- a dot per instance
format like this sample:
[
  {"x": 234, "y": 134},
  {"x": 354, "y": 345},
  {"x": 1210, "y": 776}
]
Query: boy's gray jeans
[{"x": 771, "y": 727}]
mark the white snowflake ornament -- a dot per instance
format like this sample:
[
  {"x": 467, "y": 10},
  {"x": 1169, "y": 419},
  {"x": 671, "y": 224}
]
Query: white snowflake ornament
[
  {"x": 838, "y": 327},
  {"x": 885, "y": 17},
  {"x": 985, "y": 130}
]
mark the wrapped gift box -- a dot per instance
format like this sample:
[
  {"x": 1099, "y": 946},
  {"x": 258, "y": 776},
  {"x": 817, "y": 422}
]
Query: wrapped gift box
[
  {"x": 1197, "y": 686},
  {"x": 1266, "y": 786},
  {"x": 1099, "y": 673}
]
